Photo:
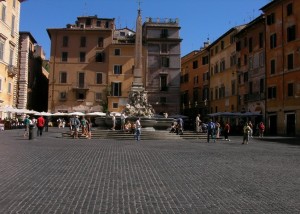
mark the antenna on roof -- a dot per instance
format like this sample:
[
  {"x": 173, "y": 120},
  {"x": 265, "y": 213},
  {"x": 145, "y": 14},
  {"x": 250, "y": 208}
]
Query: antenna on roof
[{"x": 85, "y": 9}]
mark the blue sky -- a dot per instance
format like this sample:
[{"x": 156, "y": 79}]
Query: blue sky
[{"x": 199, "y": 19}]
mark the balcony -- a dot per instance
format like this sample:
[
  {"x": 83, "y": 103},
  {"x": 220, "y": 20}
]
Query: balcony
[
  {"x": 80, "y": 86},
  {"x": 255, "y": 97},
  {"x": 12, "y": 70}
]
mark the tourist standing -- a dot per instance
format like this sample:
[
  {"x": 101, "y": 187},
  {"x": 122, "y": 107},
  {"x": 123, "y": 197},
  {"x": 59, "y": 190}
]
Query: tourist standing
[
  {"x": 210, "y": 130},
  {"x": 26, "y": 124},
  {"x": 74, "y": 124},
  {"x": 251, "y": 126},
  {"x": 261, "y": 128},
  {"x": 113, "y": 119},
  {"x": 40, "y": 123},
  {"x": 138, "y": 128},
  {"x": 246, "y": 130},
  {"x": 218, "y": 127},
  {"x": 123, "y": 118},
  {"x": 226, "y": 131},
  {"x": 198, "y": 123}
]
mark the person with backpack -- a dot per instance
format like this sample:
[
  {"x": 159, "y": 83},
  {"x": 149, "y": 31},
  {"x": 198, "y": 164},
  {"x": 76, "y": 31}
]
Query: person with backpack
[
  {"x": 74, "y": 126},
  {"x": 210, "y": 130},
  {"x": 40, "y": 123}
]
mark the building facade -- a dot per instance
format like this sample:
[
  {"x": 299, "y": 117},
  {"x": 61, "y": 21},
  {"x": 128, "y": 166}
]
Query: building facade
[
  {"x": 79, "y": 63},
  {"x": 9, "y": 43},
  {"x": 92, "y": 65},
  {"x": 282, "y": 66},
  {"x": 250, "y": 46}
]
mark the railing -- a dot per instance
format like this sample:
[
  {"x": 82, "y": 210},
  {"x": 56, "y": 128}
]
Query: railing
[{"x": 80, "y": 86}]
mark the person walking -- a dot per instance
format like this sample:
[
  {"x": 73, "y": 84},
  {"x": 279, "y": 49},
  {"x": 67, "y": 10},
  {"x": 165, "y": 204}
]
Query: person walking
[
  {"x": 179, "y": 130},
  {"x": 74, "y": 124},
  {"x": 210, "y": 130},
  {"x": 251, "y": 126},
  {"x": 198, "y": 124},
  {"x": 26, "y": 124},
  {"x": 123, "y": 118},
  {"x": 113, "y": 119},
  {"x": 226, "y": 131},
  {"x": 261, "y": 128},
  {"x": 138, "y": 128},
  {"x": 246, "y": 130},
  {"x": 40, "y": 123}
]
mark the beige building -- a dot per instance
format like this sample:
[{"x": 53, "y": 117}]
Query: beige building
[
  {"x": 79, "y": 64},
  {"x": 9, "y": 38},
  {"x": 92, "y": 65}
]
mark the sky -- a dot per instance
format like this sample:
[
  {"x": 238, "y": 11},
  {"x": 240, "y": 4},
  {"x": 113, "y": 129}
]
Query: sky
[{"x": 198, "y": 19}]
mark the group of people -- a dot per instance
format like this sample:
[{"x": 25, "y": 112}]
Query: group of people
[
  {"x": 40, "y": 123},
  {"x": 177, "y": 126},
  {"x": 84, "y": 123}
]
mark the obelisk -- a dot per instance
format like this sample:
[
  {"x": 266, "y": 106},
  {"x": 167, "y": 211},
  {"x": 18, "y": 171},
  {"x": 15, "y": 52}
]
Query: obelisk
[{"x": 137, "y": 84}]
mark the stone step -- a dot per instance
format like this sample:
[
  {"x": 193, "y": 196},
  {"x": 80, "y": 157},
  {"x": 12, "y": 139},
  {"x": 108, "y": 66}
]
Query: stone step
[{"x": 146, "y": 135}]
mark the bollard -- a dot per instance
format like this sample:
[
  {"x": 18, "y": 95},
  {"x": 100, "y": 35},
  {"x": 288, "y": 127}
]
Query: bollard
[{"x": 31, "y": 133}]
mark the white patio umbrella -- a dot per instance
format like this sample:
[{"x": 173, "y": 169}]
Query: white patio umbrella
[
  {"x": 60, "y": 114},
  {"x": 76, "y": 113},
  {"x": 95, "y": 114},
  {"x": 43, "y": 113}
]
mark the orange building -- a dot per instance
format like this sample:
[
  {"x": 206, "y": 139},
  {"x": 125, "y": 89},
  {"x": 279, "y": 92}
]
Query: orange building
[
  {"x": 223, "y": 73},
  {"x": 250, "y": 46},
  {"x": 194, "y": 82},
  {"x": 283, "y": 66}
]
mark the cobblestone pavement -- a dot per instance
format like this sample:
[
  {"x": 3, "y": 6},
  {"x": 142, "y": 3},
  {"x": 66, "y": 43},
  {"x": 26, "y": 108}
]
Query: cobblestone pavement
[{"x": 55, "y": 175}]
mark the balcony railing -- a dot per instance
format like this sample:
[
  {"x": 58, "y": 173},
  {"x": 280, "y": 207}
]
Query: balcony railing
[
  {"x": 80, "y": 86},
  {"x": 12, "y": 70}
]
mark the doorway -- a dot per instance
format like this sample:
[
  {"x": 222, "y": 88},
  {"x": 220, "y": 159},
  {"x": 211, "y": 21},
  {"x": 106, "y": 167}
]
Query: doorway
[{"x": 290, "y": 119}]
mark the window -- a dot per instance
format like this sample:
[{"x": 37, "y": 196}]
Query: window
[
  {"x": 14, "y": 3},
  {"x": 290, "y": 61},
  {"x": 222, "y": 65},
  {"x": 63, "y": 95},
  {"x": 261, "y": 85},
  {"x": 80, "y": 96},
  {"x": 233, "y": 60},
  {"x": 163, "y": 83},
  {"x": 63, "y": 77},
  {"x": 222, "y": 45},
  {"x": 165, "y": 62},
  {"x": 117, "y": 52},
  {"x": 216, "y": 93},
  {"x": 238, "y": 46},
  {"x": 13, "y": 18},
  {"x": 3, "y": 16},
  {"x": 88, "y": 22},
  {"x": 246, "y": 77},
  {"x": 115, "y": 105},
  {"x": 261, "y": 59},
  {"x": 250, "y": 45},
  {"x": 273, "y": 66},
  {"x": 11, "y": 56},
  {"x": 195, "y": 64},
  {"x": 164, "y": 48},
  {"x": 216, "y": 68},
  {"x": 205, "y": 60},
  {"x": 65, "y": 41},
  {"x": 245, "y": 59},
  {"x": 271, "y": 19},
  {"x": 117, "y": 69},
  {"x": 233, "y": 85},
  {"x": 289, "y": 9},
  {"x": 100, "y": 42},
  {"x": 9, "y": 88},
  {"x": 1, "y": 49},
  {"x": 82, "y": 56},
  {"x": 250, "y": 87},
  {"x": 98, "y": 23},
  {"x": 272, "y": 92},
  {"x": 100, "y": 57},
  {"x": 196, "y": 80},
  {"x": 81, "y": 80},
  {"x": 82, "y": 41},
  {"x": 163, "y": 100},
  {"x": 98, "y": 96},
  {"x": 116, "y": 88},
  {"x": 216, "y": 49},
  {"x": 99, "y": 78},
  {"x": 291, "y": 33},
  {"x": 273, "y": 41},
  {"x": 250, "y": 63},
  {"x": 0, "y": 84},
  {"x": 261, "y": 40},
  {"x": 290, "y": 89},
  {"x": 164, "y": 33},
  {"x": 64, "y": 57}
]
